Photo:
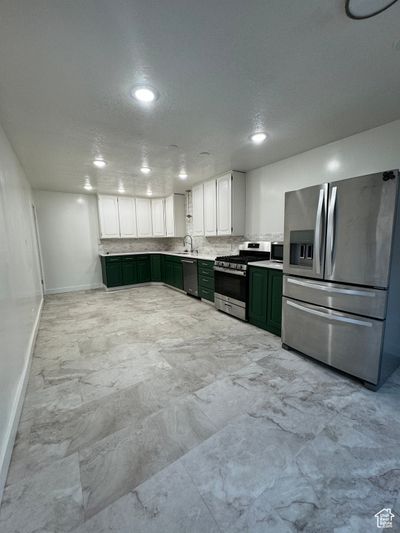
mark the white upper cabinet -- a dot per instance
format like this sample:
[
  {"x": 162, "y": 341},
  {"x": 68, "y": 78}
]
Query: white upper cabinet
[
  {"x": 175, "y": 215},
  {"x": 224, "y": 206},
  {"x": 127, "y": 216},
  {"x": 210, "y": 207},
  {"x": 158, "y": 217},
  {"x": 108, "y": 217},
  {"x": 143, "y": 217},
  {"x": 231, "y": 204},
  {"x": 219, "y": 205},
  {"x": 198, "y": 209}
]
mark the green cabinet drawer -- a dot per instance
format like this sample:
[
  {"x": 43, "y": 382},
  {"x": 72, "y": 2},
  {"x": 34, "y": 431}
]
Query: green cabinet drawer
[
  {"x": 113, "y": 259},
  {"x": 204, "y": 263},
  {"x": 207, "y": 294},
  {"x": 206, "y": 272},
  {"x": 207, "y": 282}
]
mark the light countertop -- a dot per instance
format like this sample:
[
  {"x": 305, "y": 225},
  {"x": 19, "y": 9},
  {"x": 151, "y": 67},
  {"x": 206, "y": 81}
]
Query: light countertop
[
  {"x": 179, "y": 254},
  {"x": 267, "y": 264}
]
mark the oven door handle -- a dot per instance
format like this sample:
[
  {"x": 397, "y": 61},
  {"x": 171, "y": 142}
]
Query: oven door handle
[{"x": 228, "y": 271}]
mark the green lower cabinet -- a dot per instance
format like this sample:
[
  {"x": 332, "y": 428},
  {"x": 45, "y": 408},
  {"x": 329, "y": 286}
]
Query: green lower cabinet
[
  {"x": 274, "y": 306},
  {"x": 143, "y": 269},
  {"x": 265, "y": 299},
  {"x": 206, "y": 279},
  {"x": 207, "y": 294},
  {"x": 168, "y": 272},
  {"x": 112, "y": 271},
  {"x": 258, "y": 291},
  {"x": 125, "y": 270},
  {"x": 173, "y": 271},
  {"x": 178, "y": 275},
  {"x": 129, "y": 273},
  {"x": 156, "y": 267}
]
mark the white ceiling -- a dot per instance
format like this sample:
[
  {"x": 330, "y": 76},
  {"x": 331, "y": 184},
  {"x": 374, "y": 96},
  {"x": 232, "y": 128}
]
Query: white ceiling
[{"x": 300, "y": 70}]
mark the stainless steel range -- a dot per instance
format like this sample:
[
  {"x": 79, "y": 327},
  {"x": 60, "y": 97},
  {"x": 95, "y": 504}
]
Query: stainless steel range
[{"x": 231, "y": 280}]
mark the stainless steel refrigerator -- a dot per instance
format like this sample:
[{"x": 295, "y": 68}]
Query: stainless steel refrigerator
[{"x": 341, "y": 288}]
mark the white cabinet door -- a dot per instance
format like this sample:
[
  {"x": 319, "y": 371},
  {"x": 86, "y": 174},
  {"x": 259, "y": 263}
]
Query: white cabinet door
[
  {"x": 158, "y": 217},
  {"x": 198, "y": 210},
  {"x": 210, "y": 207},
  {"x": 143, "y": 217},
  {"x": 127, "y": 216},
  {"x": 224, "y": 205},
  {"x": 108, "y": 217},
  {"x": 169, "y": 216}
]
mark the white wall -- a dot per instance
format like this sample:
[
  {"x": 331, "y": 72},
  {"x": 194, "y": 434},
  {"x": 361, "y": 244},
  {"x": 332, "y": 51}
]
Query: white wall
[
  {"x": 69, "y": 236},
  {"x": 20, "y": 295},
  {"x": 370, "y": 151}
]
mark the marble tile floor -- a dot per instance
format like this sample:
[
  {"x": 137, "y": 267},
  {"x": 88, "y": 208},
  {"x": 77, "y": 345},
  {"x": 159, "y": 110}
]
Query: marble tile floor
[{"x": 149, "y": 411}]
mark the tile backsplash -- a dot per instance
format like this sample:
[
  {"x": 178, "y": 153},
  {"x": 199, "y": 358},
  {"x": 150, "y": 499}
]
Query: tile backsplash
[{"x": 212, "y": 246}]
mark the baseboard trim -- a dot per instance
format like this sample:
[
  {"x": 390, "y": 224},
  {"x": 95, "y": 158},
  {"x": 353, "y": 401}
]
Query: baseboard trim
[
  {"x": 73, "y": 288},
  {"x": 5, "y": 455}
]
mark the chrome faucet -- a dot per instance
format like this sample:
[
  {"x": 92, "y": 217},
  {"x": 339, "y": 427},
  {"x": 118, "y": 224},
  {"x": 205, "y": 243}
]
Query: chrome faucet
[{"x": 191, "y": 242}]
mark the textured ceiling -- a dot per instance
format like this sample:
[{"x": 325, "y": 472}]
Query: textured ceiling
[{"x": 300, "y": 70}]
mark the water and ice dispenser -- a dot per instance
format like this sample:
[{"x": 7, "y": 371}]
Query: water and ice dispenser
[{"x": 302, "y": 248}]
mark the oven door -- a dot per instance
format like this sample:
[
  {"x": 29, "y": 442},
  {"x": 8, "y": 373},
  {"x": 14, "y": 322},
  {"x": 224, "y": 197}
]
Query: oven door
[{"x": 231, "y": 292}]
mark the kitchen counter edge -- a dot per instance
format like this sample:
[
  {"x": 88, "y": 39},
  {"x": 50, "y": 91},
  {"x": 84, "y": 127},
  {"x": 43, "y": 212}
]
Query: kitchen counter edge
[
  {"x": 267, "y": 264},
  {"x": 154, "y": 252}
]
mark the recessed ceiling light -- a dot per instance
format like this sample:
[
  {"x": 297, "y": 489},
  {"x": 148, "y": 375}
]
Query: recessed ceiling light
[
  {"x": 258, "y": 138},
  {"x": 333, "y": 165},
  {"x": 144, "y": 94},
  {"x": 88, "y": 187},
  {"x": 145, "y": 170},
  {"x": 149, "y": 193},
  {"x": 99, "y": 163},
  {"x": 121, "y": 189},
  {"x": 182, "y": 174}
]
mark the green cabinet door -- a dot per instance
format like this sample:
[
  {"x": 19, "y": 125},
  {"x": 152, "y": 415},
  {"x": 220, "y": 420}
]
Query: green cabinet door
[
  {"x": 178, "y": 275},
  {"x": 129, "y": 275},
  {"x": 113, "y": 272},
  {"x": 168, "y": 271},
  {"x": 258, "y": 291},
  {"x": 155, "y": 265},
  {"x": 274, "y": 305},
  {"x": 143, "y": 269},
  {"x": 173, "y": 271}
]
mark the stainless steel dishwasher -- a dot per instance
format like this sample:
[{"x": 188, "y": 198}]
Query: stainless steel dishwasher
[{"x": 190, "y": 284}]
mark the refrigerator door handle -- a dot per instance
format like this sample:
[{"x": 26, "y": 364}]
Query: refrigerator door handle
[
  {"x": 329, "y": 316},
  {"x": 330, "y": 235},
  {"x": 350, "y": 292},
  {"x": 318, "y": 232}
]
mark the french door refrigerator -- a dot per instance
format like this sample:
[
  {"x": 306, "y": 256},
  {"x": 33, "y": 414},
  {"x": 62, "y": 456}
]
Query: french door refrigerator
[{"x": 341, "y": 285}]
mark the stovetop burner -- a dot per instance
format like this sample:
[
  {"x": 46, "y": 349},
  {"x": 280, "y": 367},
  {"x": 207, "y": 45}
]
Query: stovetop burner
[
  {"x": 248, "y": 252},
  {"x": 238, "y": 259}
]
